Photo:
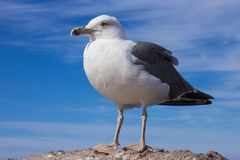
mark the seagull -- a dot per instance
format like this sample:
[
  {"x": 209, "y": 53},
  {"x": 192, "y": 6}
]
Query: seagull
[{"x": 133, "y": 73}]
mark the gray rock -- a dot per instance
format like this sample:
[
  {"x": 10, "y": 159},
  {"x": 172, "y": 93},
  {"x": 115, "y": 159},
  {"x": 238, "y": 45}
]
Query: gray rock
[{"x": 126, "y": 154}]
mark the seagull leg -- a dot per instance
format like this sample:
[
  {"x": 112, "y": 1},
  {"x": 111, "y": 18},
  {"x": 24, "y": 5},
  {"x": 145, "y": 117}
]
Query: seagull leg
[
  {"x": 119, "y": 125},
  {"x": 109, "y": 148},
  {"x": 144, "y": 121},
  {"x": 142, "y": 145}
]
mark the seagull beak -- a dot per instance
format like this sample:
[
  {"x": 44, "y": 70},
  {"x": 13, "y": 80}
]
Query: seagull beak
[{"x": 80, "y": 30}]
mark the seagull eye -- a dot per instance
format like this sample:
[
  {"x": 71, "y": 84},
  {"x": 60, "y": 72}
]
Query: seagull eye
[{"x": 104, "y": 24}]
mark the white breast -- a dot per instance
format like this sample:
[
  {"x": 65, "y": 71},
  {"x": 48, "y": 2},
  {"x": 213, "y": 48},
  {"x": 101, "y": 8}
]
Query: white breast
[{"x": 110, "y": 69}]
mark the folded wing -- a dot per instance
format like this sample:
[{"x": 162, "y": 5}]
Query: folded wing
[{"x": 159, "y": 62}]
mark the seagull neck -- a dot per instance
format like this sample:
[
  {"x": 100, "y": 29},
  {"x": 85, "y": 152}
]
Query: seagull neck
[
  {"x": 102, "y": 38},
  {"x": 113, "y": 35}
]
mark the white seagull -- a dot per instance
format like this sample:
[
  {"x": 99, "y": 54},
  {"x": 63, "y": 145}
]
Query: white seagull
[{"x": 132, "y": 73}]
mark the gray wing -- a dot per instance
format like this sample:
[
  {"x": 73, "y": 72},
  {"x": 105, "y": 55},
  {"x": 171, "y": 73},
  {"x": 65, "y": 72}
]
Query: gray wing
[
  {"x": 159, "y": 62},
  {"x": 153, "y": 53}
]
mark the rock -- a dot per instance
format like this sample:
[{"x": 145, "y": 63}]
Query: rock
[{"x": 126, "y": 154}]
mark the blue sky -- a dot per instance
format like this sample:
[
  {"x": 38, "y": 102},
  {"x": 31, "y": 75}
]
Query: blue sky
[{"x": 46, "y": 102}]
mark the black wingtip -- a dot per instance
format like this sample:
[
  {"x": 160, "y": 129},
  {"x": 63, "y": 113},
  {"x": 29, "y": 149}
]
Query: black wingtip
[
  {"x": 183, "y": 102},
  {"x": 197, "y": 95},
  {"x": 208, "y": 102}
]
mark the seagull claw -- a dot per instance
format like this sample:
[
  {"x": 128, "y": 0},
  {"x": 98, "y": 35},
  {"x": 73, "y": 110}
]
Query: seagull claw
[
  {"x": 106, "y": 148},
  {"x": 138, "y": 147}
]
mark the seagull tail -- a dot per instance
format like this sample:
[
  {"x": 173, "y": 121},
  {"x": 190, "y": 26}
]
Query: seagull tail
[{"x": 190, "y": 98}]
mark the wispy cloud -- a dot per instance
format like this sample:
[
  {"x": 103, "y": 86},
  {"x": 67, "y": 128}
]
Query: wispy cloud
[
  {"x": 178, "y": 26},
  {"x": 164, "y": 136}
]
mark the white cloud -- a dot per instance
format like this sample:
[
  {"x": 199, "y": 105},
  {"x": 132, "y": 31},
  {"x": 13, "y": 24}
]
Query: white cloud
[
  {"x": 80, "y": 136},
  {"x": 172, "y": 23}
]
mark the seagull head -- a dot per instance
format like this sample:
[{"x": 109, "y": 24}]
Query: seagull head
[{"x": 101, "y": 27}]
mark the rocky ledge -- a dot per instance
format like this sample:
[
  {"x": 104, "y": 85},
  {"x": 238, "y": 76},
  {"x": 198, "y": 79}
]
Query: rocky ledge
[{"x": 126, "y": 154}]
